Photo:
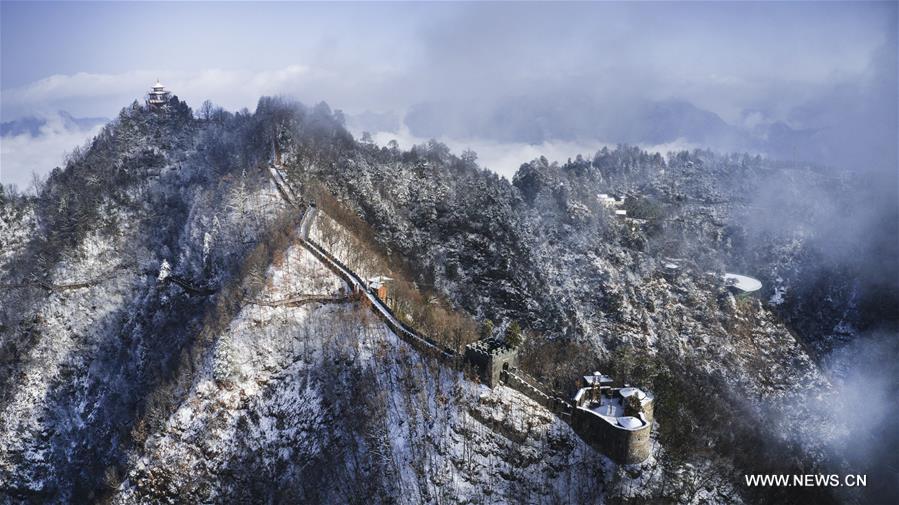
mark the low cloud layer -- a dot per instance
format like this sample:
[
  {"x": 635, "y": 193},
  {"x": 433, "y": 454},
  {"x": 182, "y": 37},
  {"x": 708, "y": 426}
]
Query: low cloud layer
[
  {"x": 796, "y": 81},
  {"x": 23, "y": 155},
  {"x": 505, "y": 158},
  {"x": 857, "y": 422},
  {"x": 83, "y": 93}
]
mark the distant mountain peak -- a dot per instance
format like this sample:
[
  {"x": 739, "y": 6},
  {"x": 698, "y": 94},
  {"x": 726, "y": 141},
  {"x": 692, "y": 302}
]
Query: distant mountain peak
[{"x": 31, "y": 125}]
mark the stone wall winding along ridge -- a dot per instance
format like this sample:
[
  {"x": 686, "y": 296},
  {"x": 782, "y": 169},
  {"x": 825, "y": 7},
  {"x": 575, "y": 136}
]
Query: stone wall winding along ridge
[{"x": 624, "y": 446}]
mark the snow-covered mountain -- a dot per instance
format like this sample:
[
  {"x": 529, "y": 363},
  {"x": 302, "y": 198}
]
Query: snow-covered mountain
[{"x": 165, "y": 338}]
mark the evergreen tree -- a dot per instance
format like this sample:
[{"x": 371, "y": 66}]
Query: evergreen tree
[
  {"x": 488, "y": 329},
  {"x": 513, "y": 334},
  {"x": 632, "y": 406}
]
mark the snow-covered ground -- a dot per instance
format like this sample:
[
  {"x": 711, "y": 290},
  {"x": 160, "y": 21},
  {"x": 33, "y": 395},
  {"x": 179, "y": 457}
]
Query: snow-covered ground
[
  {"x": 69, "y": 325},
  {"x": 286, "y": 385},
  {"x": 16, "y": 225}
]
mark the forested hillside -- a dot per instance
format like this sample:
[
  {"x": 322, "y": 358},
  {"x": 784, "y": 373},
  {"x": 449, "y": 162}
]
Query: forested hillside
[{"x": 145, "y": 356}]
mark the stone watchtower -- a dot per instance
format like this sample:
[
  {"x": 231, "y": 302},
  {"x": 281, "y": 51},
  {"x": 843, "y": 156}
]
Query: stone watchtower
[
  {"x": 490, "y": 357},
  {"x": 614, "y": 421},
  {"x": 379, "y": 286}
]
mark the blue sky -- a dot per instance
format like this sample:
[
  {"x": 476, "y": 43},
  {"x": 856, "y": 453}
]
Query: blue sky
[{"x": 747, "y": 62}]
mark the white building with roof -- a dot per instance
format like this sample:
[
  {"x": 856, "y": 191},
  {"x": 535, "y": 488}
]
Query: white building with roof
[
  {"x": 742, "y": 284},
  {"x": 609, "y": 201},
  {"x": 611, "y": 421},
  {"x": 158, "y": 96}
]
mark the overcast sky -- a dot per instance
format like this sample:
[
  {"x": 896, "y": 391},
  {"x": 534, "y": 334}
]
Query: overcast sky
[{"x": 746, "y": 62}]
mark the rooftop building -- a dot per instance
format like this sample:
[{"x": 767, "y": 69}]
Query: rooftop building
[
  {"x": 379, "y": 285},
  {"x": 671, "y": 268},
  {"x": 609, "y": 201},
  {"x": 742, "y": 284},
  {"x": 158, "y": 96},
  {"x": 609, "y": 420},
  {"x": 597, "y": 379}
]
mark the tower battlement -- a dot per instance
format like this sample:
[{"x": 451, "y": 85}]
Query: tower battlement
[
  {"x": 615, "y": 421},
  {"x": 490, "y": 356}
]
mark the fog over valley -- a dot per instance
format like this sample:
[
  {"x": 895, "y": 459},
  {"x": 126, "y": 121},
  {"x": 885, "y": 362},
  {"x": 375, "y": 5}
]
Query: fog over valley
[{"x": 798, "y": 83}]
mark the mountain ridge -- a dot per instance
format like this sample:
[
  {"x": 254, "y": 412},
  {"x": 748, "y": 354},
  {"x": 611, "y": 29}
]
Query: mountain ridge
[{"x": 111, "y": 396}]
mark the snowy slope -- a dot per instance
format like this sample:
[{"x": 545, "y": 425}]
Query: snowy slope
[
  {"x": 245, "y": 374},
  {"x": 289, "y": 389}
]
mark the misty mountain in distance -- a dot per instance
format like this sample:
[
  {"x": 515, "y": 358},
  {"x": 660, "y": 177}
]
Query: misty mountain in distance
[
  {"x": 32, "y": 125},
  {"x": 535, "y": 120}
]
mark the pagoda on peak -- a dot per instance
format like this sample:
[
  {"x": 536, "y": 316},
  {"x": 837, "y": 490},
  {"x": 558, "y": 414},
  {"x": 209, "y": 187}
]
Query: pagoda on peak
[{"x": 158, "y": 96}]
